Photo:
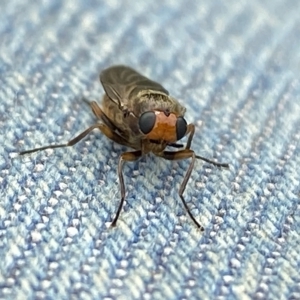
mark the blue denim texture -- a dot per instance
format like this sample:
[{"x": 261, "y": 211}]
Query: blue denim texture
[{"x": 235, "y": 65}]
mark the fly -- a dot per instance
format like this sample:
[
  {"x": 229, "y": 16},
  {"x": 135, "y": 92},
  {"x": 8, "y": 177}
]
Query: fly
[{"x": 139, "y": 113}]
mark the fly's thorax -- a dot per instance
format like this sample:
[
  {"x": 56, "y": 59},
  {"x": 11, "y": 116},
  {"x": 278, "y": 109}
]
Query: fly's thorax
[
  {"x": 148, "y": 100},
  {"x": 157, "y": 148}
]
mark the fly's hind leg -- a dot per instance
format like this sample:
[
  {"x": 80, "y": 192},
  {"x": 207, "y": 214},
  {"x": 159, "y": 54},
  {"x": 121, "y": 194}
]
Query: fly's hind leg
[
  {"x": 106, "y": 130},
  {"x": 98, "y": 112},
  {"x": 96, "y": 109}
]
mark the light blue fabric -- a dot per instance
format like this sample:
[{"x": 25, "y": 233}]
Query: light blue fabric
[{"x": 235, "y": 65}]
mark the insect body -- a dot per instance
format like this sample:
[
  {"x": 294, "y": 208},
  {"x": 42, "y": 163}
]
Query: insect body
[{"x": 139, "y": 113}]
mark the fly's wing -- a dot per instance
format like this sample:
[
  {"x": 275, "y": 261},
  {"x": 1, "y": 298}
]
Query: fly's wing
[{"x": 122, "y": 83}]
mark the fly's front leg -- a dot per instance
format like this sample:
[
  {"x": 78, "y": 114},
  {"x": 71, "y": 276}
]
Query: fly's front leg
[
  {"x": 183, "y": 154},
  {"x": 190, "y": 131},
  {"x": 126, "y": 156}
]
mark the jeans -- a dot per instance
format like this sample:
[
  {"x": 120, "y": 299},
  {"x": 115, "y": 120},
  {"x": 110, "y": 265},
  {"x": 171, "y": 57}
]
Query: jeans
[{"x": 235, "y": 66}]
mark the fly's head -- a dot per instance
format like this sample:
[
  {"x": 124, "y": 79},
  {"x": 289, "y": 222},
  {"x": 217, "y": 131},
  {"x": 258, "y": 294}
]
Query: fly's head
[{"x": 162, "y": 126}]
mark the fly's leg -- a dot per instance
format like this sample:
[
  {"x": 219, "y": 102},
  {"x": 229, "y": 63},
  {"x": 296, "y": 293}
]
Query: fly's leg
[
  {"x": 106, "y": 130},
  {"x": 98, "y": 112},
  {"x": 96, "y": 109},
  {"x": 102, "y": 127},
  {"x": 70, "y": 143},
  {"x": 184, "y": 154},
  {"x": 190, "y": 131},
  {"x": 175, "y": 145},
  {"x": 217, "y": 164},
  {"x": 126, "y": 156}
]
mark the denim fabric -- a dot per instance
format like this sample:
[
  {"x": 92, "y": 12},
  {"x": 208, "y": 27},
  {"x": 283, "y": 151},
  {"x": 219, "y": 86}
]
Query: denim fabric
[{"x": 235, "y": 65}]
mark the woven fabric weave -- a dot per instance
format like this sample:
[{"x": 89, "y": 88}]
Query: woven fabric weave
[{"x": 235, "y": 66}]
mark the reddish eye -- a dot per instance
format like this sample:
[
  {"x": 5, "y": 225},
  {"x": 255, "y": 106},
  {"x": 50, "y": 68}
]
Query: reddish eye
[
  {"x": 147, "y": 121},
  {"x": 181, "y": 127}
]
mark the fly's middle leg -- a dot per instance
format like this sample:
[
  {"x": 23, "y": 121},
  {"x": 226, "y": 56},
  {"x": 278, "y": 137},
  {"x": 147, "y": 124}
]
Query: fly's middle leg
[
  {"x": 102, "y": 127},
  {"x": 184, "y": 154},
  {"x": 68, "y": 144}
]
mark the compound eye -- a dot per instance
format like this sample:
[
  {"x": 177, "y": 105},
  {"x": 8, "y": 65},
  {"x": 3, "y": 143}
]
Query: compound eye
[
  {"x": 181, "y": 128},
  {"x": 147, "y": 121}
]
